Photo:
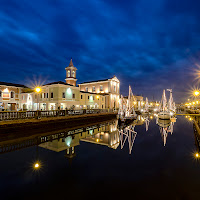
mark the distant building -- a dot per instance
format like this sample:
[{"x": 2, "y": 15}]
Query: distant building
[{"x": 11, "y": 96}]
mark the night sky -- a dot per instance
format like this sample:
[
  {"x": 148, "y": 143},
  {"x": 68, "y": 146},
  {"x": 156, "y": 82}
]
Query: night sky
[{"x": 151, "y": 45}]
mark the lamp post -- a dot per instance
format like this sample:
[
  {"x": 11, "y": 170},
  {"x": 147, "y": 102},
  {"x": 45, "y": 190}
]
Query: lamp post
[
  {"x": 37, "y": 90},
  {"x": 196, "y": 94}
]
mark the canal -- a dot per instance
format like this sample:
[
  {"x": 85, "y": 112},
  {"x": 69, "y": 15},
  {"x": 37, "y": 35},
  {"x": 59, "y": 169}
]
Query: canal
[{"x": 149, "y": 159}]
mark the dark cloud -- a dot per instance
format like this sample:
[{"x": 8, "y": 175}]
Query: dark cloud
[{"x": 147, "y": 44}]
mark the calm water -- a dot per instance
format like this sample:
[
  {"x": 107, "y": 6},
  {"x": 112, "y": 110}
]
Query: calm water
[{"x": 143, "y": 161}]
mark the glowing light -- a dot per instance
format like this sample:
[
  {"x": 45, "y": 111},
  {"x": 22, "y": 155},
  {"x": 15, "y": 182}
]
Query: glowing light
[
  {"x": 151, "y": 117},
  {"x": 134, "y": 102},
  {"x": 151, "y": 104},
  {"x": 197, "y": 155},
  {"x": 36, "y": 165},
  {"x": 97, "y": 140},
  {"x": 196, "y": 93},
  {"x": 106, "y": 91},
  {"x": 190, "y": 119},
  {"x": 69, "y": 91},
  {"x": 6, "y": 90},
  {"x": 157, "y": 104},
  {"x": 171, "y": 113},
  {"x": 68, "y": 140},
  {"x": 38, "y": 89},
  {"x": 197, "y": 102},
  {"x": 193, "y": 102},
  {"x": 97, "y": 96}
]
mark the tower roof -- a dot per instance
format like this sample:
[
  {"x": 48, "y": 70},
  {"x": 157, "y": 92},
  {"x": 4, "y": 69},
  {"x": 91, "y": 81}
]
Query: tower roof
[{"x": 71, "y": 63}]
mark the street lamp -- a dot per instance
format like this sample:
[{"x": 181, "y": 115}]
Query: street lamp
[
  {"x": 196, "y": 93},
  {"x": 38, "y": 90}
]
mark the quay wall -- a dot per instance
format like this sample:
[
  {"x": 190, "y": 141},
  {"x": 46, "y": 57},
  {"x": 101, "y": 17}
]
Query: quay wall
[{"x": 35, "y": 126}]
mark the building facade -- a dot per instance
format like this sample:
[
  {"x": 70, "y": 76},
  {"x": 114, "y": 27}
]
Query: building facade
[{"x": 101, "y": 94}]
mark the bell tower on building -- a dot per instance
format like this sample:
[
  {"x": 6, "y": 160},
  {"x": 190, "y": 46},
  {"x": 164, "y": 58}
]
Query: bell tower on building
[{"x": 71, "y": 74}]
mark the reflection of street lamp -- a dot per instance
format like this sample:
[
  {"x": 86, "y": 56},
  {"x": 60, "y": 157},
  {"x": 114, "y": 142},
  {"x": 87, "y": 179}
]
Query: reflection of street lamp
[
  {"x": 196, "y": 93},
  {"x": 38, "y": 90}
]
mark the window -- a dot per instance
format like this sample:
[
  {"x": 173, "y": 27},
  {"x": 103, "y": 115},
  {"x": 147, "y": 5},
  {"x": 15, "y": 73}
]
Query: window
[
  {"x": 63, "y": 95},
  {"x": 101, "y": 87},
  {"x": 86, "y": 89},
  {"x": 68, "y": 73},
  {"x": 44, "y": 95},
  {"x": 12, "y": 95},
  {"x": 114, "y": 88},
  {"x": 93, "y": 88},
  {"x": 0, "y": 93},
  {"x": 73, "y": 96},
  {"x": 41, "y": 95},
  {"x": 51, "y": 94},
  {"x": 35, "y": 96},
  {"x": 88, "y": 97},
  {"x": 23, "y": 97},
  {"x": 81, "y": 96},
  {"x": 102, "y": 106},
  {"x": 93, "y": 98},
  {"x": 47, "y": 95},
  {"x": 73, "y": 74}
]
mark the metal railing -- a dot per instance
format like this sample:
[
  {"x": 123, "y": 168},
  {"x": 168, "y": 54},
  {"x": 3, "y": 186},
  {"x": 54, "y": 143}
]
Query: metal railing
[{"x": 14, "y": 115}]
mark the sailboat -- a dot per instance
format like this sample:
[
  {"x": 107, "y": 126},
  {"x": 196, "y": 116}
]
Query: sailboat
[
  {"x": 126, "y": 111},
  {"x": 164, "y": 112}
]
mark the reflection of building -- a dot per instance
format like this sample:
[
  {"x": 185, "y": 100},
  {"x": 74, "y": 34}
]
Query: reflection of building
[{"x": 105, "y": 134}]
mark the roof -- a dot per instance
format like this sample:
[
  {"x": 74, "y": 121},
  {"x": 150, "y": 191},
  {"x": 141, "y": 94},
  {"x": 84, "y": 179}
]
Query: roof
[
  {"x": 95, "y": 81},
  {"x": 71, "y": 63},
  {"x": 13, "y": 84},
  {"x": 59, "y": 82}
]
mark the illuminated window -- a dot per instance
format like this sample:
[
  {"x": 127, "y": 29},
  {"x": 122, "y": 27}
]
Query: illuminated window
[
  {"x": 63, "y": 95},
  {"x": 86, "y": 89},
  {"x": 93, "y": 88},
  {"x": 51, "y": 94},
  {"x": 68, "y": 73},
  {"x": 12, "y": 95},
  {"x": 101, "y": 87},
  {"x": 73, "y": 74}
]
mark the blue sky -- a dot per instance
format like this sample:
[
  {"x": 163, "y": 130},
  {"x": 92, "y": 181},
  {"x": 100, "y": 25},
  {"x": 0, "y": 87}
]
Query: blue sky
[{"x": 151, "y": 45}]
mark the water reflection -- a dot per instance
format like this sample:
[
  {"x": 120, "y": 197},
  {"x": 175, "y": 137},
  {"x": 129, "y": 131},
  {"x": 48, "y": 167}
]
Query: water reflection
[
  {"x": 165, "y": 126},
  {"x": 108, "y": 133}
]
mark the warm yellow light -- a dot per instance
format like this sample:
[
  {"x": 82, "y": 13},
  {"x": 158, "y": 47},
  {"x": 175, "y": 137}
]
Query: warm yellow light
[
  {"x": 151, "y": 117},
  {"x": 193, "y": 102},
  {"x": 38, "y": 89},
  {"x": 190, "y": 119},
  {"x": 134, "y": 102},
  {"x": 196, "y": 93},
  {"x": 36, "y": 165},
  {"x": 157, "y": 104},
  {"x": 151, "y": 104},
  {"x": 106, "y": 91},
  {"x": 189, "y": 103},
  {"x": 6, "y": 90},
  {"x": 196, "y": 155},
  {"x": 197, "y": 102},
  {"x": 97, "y": 97},
  {"x": 97, "y": 140}
]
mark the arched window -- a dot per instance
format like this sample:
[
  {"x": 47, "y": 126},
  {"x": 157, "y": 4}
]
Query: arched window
[
  {"x": 12, "y": 94},
  {"x": 73, "y": 74},
  {"x": 68, "y": 73},
  {"x": 0, "y": 93}
]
